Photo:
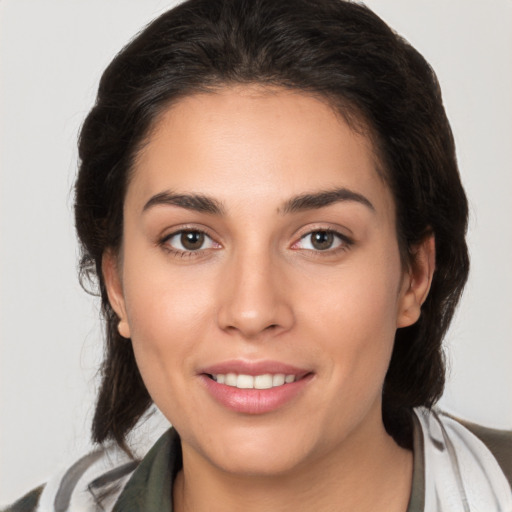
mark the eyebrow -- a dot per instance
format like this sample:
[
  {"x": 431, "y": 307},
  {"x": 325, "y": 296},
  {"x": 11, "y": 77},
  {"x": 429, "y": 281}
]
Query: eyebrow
[
  {"x": 309, "y": 201},
  {"x": 198, "y": 203},
  {"x": 325, "y": 198}
]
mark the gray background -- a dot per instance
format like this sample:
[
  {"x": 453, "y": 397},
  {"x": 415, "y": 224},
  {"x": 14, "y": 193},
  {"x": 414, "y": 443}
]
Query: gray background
[{"x": 51, "y": 57}]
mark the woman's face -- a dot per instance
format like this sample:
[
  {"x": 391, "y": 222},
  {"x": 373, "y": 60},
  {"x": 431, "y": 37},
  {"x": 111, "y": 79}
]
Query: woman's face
[{"x": 260, "y": 279}]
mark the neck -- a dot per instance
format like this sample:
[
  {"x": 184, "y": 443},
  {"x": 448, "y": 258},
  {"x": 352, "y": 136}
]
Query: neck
[{"x": 368, "y": 472}]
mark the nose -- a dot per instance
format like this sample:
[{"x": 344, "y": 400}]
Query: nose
[{"x": 254, "y": 299}]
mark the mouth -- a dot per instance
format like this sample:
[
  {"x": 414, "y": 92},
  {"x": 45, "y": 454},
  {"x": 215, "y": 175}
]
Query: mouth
[
  {"x": 255, "y": 387},
  {"x": 263, "y": 381}
]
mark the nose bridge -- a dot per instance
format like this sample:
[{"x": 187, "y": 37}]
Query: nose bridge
[{"x": 253, "y": 300}]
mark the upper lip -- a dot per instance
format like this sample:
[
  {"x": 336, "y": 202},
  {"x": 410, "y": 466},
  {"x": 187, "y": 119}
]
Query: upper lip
[{"x": 253, "y": 368}]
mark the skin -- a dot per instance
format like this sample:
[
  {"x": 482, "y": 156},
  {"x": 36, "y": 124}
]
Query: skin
[{"x": 259, "y": 290}]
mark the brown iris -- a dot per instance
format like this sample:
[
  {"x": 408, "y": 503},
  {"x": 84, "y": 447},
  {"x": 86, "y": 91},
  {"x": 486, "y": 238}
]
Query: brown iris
[
  {"x": 192, "y": 240},
  {"x": 322, "y": 240}
]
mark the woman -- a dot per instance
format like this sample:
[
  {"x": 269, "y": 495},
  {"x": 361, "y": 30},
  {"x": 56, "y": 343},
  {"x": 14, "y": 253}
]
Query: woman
[{"x": 269, "y": 198}]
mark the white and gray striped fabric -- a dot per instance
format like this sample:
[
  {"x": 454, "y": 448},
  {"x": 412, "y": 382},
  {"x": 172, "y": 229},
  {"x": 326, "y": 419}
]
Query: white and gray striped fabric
[
  {"x": 93, "y": 483},
  {"x": 461, "y": 474}
]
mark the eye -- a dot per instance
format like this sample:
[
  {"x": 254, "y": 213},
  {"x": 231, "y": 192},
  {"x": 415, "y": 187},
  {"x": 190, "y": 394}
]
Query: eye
[
  {"x": 189, "y": 240},
  {"x": 322, "y": 240}
]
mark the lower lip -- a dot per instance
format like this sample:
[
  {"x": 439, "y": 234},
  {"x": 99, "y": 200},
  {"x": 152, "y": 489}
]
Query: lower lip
[{"x": 255, "y": 401}]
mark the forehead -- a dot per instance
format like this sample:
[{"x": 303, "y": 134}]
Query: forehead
[{"x": 248, "y": 141}]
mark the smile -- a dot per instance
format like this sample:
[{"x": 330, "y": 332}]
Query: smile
[
  {"x": 264, "y": 381},
  {"x": 255, "y": 387}
]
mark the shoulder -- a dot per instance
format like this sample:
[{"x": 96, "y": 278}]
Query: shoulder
[
  {"x": 465, "y": 462},
  {"x": 92, "y": 483},
  {"x": 499, "y": 442}
]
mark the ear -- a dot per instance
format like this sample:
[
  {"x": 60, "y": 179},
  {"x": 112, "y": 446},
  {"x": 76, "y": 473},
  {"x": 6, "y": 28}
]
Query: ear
[
  {"x": 114, "y": 286},
  {"x": 417, "y": 281}
]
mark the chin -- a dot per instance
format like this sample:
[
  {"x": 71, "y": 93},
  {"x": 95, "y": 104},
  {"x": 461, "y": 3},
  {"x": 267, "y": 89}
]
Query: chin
[
  {"x": 259, "y": 452},
  {"x": 260, "y": 463}
]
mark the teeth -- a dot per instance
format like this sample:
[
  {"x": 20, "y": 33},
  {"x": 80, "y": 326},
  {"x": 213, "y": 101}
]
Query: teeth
[
  {"x": 278, "y": 379},
  {"x": 265, "y": 381},
  {"x": 230, "y": 379},
  {"x": 245, "y": 382}
]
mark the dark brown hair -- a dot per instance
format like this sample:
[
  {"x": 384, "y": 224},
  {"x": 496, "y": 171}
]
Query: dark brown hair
[{"x": 335, "y": 49}]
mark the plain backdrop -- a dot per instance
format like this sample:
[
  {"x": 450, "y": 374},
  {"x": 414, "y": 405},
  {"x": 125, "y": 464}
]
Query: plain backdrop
[{"x": 52, "y": 53}]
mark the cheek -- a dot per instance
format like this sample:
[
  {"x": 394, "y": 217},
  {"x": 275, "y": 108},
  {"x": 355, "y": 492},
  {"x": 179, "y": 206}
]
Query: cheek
[
  {"x": 357, "y": 312},
  {"x": 168, "y": 310},
  {"x": 161, "y": 297},
  {"x": 168, "y": 318}
]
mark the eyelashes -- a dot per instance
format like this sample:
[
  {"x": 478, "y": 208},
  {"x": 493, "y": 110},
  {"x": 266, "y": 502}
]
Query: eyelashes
[
  {"x": 323, "y": 240},
  {"x": 190, "y": 242}
]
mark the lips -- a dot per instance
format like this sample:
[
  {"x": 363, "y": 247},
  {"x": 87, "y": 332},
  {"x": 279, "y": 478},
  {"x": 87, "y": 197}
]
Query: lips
[{"x": 254, "y": 387}]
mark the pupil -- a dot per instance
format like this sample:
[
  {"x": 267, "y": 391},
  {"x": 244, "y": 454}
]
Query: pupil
[
  {"x": 322, "y": 240},
  {"x": 192, "y": 240}
]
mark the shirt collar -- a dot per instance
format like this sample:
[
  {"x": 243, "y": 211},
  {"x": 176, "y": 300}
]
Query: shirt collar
[{"x": 150, "y": 487}]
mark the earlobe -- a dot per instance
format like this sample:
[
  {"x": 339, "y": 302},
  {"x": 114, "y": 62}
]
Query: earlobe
[
  {"x": 417, "y": 281},
  {"x": 113, "y": 284}
]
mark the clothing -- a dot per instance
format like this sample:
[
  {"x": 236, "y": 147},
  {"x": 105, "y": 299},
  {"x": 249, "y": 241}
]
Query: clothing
[{"x": 457, "y": 468}]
